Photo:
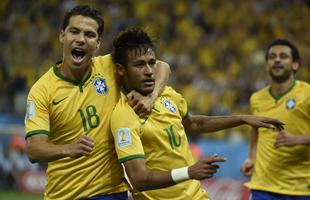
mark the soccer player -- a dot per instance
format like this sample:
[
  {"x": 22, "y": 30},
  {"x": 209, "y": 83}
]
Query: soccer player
[
  {"x": 68, "y": 115},
  {"x": 155, "y": 150},
  {"x": 279, "y": 162}
]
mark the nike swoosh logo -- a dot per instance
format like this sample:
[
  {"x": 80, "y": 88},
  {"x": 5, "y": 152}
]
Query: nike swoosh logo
[{"x": 57, "y": 102}]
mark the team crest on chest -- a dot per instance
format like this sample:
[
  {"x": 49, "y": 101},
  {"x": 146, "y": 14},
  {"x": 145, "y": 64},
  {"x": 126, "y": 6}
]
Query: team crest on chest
[
  {"x": 290, "y": 104},
  {"x": 100, "y": 86},
  {"x": 167, "y": 103}
]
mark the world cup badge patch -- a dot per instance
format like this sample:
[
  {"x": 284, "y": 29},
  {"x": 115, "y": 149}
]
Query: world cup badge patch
[
  {"x": 30, "y": 110},
  {"x": 290, "y": 104},
  {"x": 123, "y": 137},
  {"x": 169, "y": 106},
  {"x": 100, "y": 86}
]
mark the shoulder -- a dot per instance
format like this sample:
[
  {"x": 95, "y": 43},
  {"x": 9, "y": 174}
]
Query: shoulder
[
  {"x": 169, "y": 91},
  {"x": 105, "y": 60},
  {"x": 260, "y": 94},
  {"x": 303, "y": 85},
  {"x": 123, "y": 114},
  {"x": 43, "y": 85}
]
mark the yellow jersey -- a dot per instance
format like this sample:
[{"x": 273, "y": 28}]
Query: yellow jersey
[
  {"x": 284, "y": 170},
  {"x": 65, "y": 110},
  {"x": 160, "y": 139}
]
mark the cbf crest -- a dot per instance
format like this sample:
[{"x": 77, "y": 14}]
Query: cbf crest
[
  {"x": 100, "y": 85},
  {"x": 290, "y": 104},
  {"x": 167, "y": 103}
]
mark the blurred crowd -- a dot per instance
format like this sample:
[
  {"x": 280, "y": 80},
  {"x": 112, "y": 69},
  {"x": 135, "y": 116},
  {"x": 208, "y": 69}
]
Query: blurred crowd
[
  {"x": 214, "y": 47},
  {"x": 13, "y": 160}
]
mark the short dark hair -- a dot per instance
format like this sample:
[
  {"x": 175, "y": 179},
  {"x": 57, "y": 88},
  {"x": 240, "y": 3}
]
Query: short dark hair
[
  {"x": 285, "y": 42},
  {"x": 130, "y": 39},
  {"x": 86, "y": 11}
]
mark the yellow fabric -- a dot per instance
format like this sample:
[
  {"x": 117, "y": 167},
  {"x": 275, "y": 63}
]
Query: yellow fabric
[
  {"x": 285, "y": 170},
  {"x": 161, "y": 139},
  {"x": 80, "y": 109}
]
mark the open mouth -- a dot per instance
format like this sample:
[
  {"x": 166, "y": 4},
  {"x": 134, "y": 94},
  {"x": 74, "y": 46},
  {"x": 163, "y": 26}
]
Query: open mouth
[
  {"x": 277, "y": 67},
  {"x": 78, "y": 54}
]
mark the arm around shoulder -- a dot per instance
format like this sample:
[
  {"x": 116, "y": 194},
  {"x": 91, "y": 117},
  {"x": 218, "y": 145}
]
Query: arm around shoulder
[{"x": 162, "y": 73}]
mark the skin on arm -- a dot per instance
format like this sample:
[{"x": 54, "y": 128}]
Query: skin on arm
[
  {"x": 285, "y": 138},
  {"x": 202, "y": 124},
  {"x": 143, "y": 105},
  {"x": 143, "y": 179},
  {"x": 248, "y": 164},
  {"x": 40, "y": 150}
]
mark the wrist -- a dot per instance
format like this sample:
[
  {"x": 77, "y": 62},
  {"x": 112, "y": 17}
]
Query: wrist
[
  {"x": 65, "y": 151},
  {"x": 242, "y": 119},
  {"x": 180, "y": 175}
]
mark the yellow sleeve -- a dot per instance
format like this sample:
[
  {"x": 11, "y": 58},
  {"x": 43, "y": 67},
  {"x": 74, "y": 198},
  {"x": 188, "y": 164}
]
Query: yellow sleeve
[
  {"x": 126, "y": 132},
  {"x": 37, "y": 114}
]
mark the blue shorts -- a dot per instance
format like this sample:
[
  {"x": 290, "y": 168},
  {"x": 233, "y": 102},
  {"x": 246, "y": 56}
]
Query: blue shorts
[
  {"x": 263, "y": 195},
  {"x": 115, "y": 196}
]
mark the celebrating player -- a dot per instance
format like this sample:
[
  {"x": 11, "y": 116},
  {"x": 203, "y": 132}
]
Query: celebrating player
[
  {"x": 279, "y": 162},
  {"x": 68, "y": 115},
  {"x": 155, "y": 150}
]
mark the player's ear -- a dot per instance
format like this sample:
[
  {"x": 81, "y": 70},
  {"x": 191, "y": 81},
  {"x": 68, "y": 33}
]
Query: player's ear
[
  {"x": 120, "y": 69},
  {"x": 61, "y": 36},
  {"x": 98, "y": 43},
  {"x": 295, "y": 65}
]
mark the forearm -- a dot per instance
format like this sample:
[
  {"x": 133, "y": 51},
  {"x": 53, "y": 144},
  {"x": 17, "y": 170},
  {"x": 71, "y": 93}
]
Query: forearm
[
  {"x": 143, "y": 179},
  {"x": 151, "y": 180},
  {"x": 303, "y": 139},
  {"x": 253, "y": 143},
  {"x": 203, "y": 124},
  {"x": 42, "y": 151},
  {"x": 162, "y": 73}
]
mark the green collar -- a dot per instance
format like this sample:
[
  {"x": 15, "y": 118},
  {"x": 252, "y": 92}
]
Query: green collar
[
  {"x": 79, "y": 84},
  {"x": 277, "y": 98}
]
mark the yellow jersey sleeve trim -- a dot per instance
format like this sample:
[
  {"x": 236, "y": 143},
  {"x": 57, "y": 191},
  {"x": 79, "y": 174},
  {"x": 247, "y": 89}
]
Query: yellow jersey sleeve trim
[
  {"x": 131, "y": 157},
  {"x": 30, "y": 133}
]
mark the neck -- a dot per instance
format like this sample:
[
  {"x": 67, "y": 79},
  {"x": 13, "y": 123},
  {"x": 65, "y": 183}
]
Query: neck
[
  {"x": 277, "y": 89},
  {"x": 77, "y": 75}
]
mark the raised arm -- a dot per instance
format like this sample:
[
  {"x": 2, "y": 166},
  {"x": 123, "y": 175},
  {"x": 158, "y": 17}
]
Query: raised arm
[
  {"x": 40, "y": 150},
  {"x": 203, "y": 124},
  {"x": 143, "y": 179},
  {"x": 162, "y": 74},
  {"x": 248, "y": 164}
]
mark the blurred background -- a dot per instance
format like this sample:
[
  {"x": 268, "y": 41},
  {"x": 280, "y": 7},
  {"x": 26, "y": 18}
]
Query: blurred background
[{"x": 215, "y": 49}]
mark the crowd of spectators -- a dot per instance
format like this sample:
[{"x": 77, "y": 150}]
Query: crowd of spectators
[{"x": 215, "y": 48}]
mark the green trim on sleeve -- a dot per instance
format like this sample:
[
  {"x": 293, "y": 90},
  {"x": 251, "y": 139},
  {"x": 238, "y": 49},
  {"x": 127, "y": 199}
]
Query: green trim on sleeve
[
  {"x": 131, "y": 157},
  {"x": 30, "y": 133}
]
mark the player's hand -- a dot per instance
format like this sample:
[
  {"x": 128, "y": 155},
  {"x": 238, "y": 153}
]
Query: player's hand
[
  {"x": 257, "y": 121},
  {"x": 247, "y": 167},
  {"x": 285, "y": 139},
  {"x": 82, "y": 146},
  {"x": 205, "y": 168},
  {"x": 142, "y": 105}
]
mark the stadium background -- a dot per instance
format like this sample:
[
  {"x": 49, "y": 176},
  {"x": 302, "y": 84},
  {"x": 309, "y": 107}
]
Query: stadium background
[{"x": 215, "y": 49}]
